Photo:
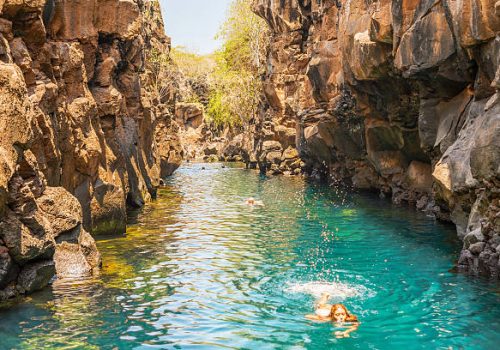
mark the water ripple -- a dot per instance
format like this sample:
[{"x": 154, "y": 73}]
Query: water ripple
[{"x": 200, "y": 269}]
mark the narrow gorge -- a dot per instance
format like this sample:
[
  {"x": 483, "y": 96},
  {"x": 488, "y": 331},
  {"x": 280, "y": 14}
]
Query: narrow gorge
[
  {"x": 394, "y": 97},
  {"x": 388, "y": 99}
]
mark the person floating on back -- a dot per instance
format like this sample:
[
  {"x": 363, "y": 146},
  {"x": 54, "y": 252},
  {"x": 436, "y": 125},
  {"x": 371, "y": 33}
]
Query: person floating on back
[
  {"x": 336, "y": 313},
  {"x": 252, "y": 202}
]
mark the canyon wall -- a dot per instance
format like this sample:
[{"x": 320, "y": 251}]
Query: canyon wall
[
  {"x": 395, "y": 96},
  {"x": 84, "y": 131}
]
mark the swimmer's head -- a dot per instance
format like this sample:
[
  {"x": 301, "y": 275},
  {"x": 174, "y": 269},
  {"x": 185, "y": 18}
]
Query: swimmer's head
[
  {"x": 339, "y": 313},
  {"x": 250, "y": 200}
]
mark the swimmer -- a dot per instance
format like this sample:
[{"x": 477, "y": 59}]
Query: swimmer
[
  {"x": 336, "y": 313},
  {"x": 251, "y": 202}
]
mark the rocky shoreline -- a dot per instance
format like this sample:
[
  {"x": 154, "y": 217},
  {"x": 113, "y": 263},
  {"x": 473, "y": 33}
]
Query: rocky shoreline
[
  {"x": 399, "y": 97},
  {"x": 83, "y": 134}
]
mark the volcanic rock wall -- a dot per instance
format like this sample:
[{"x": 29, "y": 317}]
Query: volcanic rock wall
[
  {"x": 81, "y": 134},
  {"x": 397, "y": 96}
]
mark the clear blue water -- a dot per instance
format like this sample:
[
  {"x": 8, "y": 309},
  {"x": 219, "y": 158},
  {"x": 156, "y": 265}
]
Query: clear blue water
[{"x": 198, "y": 269}]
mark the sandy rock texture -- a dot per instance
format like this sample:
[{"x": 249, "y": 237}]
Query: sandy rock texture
[
  {"x": 81, "y": 133},
  {"x": 395, "y": 96},
  {"x": 203, "y": 141}
]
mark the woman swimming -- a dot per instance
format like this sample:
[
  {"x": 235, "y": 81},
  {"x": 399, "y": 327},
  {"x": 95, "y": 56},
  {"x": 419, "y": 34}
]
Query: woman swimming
[
  {"x": 253, "y": 202},
  {"x": 336, "y": 313}
]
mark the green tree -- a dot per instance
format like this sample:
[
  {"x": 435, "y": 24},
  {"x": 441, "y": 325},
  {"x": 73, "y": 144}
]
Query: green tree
[
  {"x": 236, "y": 85},
  {"x": 196, "y": 72}
]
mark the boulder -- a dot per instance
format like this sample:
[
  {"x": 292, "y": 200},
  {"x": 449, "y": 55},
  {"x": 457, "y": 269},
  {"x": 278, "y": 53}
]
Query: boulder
[
  {"x": 285, "y": 136},
  {"x": 191, "y": 115},
  {"x": 35, "y": 276},
  {"x": 62, "y": 210},
  {"x": 8, "y": 269},
  {"x": 290, "y": 154},
  {"x": 365, "y": 177},
  {"x": 274, "y": 157},
  {"x": 210, "y": 149},
  {"x": 319, "y": 142},
  {"x": 169, "y": 147},
  {"x": 70, "y": 262},
  {"x": 23, "y": 245},
  {"x": 89, "y": 249},
  {"x": 170, "y": 163},
  {"x": 477, "y": 248},
  {"x": 420, "y": 176},
  {"x": 108, "y": 208},
  {"x": 473, "y": 237},
  {"x": 269, "y": 146}
]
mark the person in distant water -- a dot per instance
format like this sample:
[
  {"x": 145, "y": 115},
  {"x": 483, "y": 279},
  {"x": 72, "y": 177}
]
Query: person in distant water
[
  {"x": 252, "y": 202},
  {"x": 336, "y": 313}
]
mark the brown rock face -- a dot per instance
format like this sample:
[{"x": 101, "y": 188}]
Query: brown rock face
[
  {"x": 396, "y": 96},
  {"x": 81, "y": 134},
  {"x": 189, "y": 114}
]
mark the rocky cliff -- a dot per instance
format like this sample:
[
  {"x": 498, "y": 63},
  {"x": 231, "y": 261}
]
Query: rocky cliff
[
  {"x": 397, "y": 96},
  {"x": 83, "y": 131}
]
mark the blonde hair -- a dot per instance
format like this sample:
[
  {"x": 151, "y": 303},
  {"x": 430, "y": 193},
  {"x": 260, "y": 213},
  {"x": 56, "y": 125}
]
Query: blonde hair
[{"x": 349, "y": 317}]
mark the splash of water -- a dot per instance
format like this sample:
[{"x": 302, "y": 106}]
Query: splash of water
[{"x": 338, "y": 291}]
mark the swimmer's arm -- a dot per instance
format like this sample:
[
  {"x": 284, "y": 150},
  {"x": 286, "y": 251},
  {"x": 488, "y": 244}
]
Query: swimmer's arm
[{"x": 349, "y": 330}]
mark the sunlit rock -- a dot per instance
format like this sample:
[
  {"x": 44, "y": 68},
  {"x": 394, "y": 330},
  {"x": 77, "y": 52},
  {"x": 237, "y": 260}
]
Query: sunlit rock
[
  {"x": 397, "y": 96},
  {"x": 81, "y": 134}
]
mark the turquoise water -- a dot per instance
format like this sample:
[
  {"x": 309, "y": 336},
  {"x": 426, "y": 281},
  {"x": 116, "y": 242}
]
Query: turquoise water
[{"x": 198, "y": 269}]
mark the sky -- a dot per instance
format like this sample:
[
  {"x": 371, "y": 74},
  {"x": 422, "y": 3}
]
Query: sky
[{"x": 194, "y": 23}]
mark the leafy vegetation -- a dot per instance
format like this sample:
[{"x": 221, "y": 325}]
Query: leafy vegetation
[
  {"x": 232, "y": 74},
  {"x": 236, "y": 85},
  {"x": 196, "y": 71}
]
